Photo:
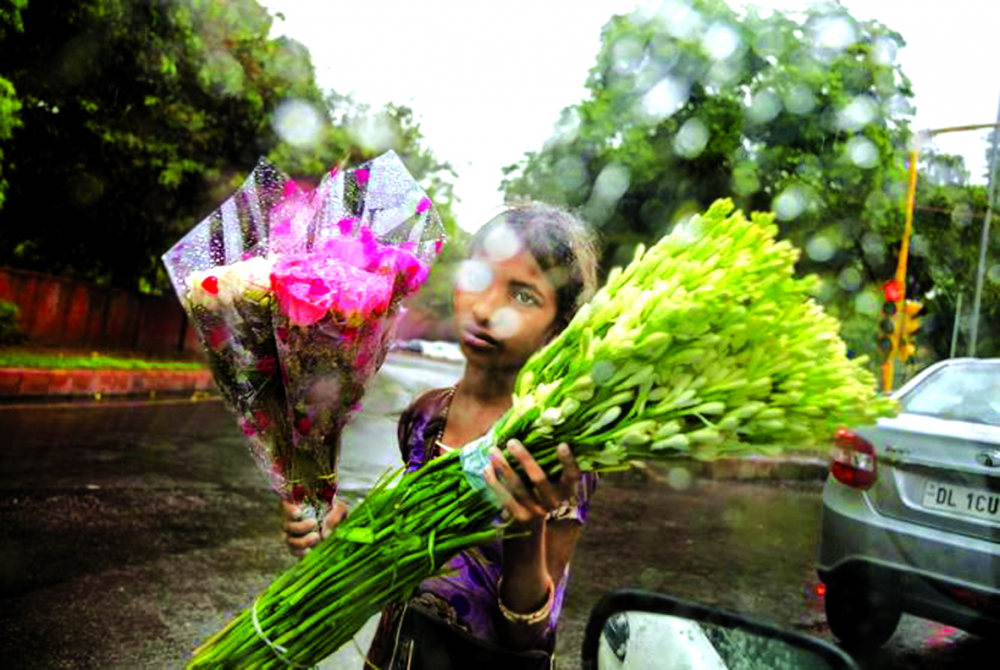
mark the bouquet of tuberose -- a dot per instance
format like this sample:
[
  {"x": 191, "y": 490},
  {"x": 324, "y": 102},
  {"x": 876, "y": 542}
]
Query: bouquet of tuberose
[
  {"x": 706, "y": 345},
  {"x": 293, "y": 295}
]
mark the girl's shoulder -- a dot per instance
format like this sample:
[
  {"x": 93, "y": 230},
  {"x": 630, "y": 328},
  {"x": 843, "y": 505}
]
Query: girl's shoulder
[{"x": 420, "y": 423}]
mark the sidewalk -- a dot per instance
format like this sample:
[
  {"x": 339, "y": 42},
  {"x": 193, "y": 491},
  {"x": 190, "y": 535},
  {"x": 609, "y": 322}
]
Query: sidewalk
[{"x": 19, "y": 385}]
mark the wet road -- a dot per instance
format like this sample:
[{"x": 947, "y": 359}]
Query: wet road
[{"x": 130, "y": 532}]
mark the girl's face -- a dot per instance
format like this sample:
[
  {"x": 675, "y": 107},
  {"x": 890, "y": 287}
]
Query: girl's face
[{"x": 505, "y": 309}]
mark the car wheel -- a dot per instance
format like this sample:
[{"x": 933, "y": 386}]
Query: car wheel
[{"x": 860, "y": 617}]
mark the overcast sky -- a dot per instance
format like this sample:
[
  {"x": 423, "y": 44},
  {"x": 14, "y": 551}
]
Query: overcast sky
[{"x": 487, "y": 79}]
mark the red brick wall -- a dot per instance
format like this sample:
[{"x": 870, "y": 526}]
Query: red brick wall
[{"x": 58, "y": 311}]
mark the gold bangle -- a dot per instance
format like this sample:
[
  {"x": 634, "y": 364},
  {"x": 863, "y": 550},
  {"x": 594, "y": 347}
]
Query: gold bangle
[{"x": 530, "y": 618}]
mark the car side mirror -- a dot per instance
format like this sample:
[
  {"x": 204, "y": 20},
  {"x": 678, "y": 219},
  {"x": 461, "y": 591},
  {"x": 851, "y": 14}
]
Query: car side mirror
[{"x": 640, "y": 629}]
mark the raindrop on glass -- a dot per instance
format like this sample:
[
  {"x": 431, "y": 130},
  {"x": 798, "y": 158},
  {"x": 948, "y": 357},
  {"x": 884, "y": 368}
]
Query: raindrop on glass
[
  {"x": 569, "y": 173},
  {"x": 764, "y": 107},
  {"x": 612, "y": 183},
  {"x": 885, "y": 50},
  {"x": 505, "y": 322},
  {"x": 664, "y": 99},
  {"x": 862, "y": 152},
  {"x": 961, "y": 215},
  {"x": 857, "y": 114},
  {"x": 501, "y": 243},
  {"x": 850, "y": 279},
  {"x": 790, "y": 203},
  {"x": 867, "y": 303},
  {"x": 821, "y": 248},
  {"x": 683, "y": 21},
  {"x": 679, "y": 478},
  {"x": 721, "y": 41},
  {"x": 298, "y": 123},
  {"x": 473, "y": 275},
  {"x": 835, "y": 32},
  {"x": 691, "y": 139},
  {"x": 800, "y": 100}
]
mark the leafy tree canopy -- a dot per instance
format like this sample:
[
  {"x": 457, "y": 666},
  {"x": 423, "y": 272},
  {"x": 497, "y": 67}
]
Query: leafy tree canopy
[
  {"x": 139, "y": 118},
  {"x": 802, "y": 113}
]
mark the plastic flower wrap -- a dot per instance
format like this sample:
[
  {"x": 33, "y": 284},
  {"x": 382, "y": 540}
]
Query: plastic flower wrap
[
  {"x": 706, "y": 345},
  {"x": 293, "y": 295}
]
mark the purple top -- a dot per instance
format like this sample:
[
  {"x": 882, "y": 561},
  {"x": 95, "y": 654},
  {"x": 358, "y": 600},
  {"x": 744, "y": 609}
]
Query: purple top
[{"x": 467, "y": 596}]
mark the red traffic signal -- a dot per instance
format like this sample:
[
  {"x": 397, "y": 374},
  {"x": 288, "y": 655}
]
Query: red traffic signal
[{"x": 893, "y": 290}]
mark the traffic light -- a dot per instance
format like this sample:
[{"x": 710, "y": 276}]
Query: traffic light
[
  {"x": 886, "y": 338},
  {"x": 887, "y": 334},
  {"x": 910, "y": 324}
]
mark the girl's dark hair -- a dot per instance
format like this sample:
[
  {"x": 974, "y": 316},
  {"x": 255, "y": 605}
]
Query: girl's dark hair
[{"x": 562, "y": 244}]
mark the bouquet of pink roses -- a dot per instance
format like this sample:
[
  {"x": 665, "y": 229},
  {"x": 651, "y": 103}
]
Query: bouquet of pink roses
[{"x": 293, "y": 295}]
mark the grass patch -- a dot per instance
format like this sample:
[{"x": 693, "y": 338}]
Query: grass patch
[{"x": 93, "y": 362}]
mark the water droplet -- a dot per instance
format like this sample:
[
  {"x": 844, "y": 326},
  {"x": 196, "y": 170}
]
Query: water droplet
[
  {"x": 993, "y": 274},
  {"x": 899, "y": 106},
  {"x": 569, "y": 173},
  {"x": 297, "y": 122},
  {"x": 868, "y": 303},
  {"x": 764, "y": 107},
  {"x": 721, "y": 41},
  {"x": 745, "y": 180},
  {"x": 691, "y": 139},
  {"x": 862, "y": 152},
  {"x": 682, "y": 21},
  {"x": 612, "y": 183},
  {"x": 790, "y": 203},
  {"x": 679, "y": 478},
  {"x": 884, "y": 50},
  {"x": 821, "y": 248},
  {"x": 473, "y": 275},
  {"x": 857, "y": 114},
  {"x": 850, "y": 279},
  {"x": 664, "y": 99},
  {"x": 961, "y": 215},
  {"x": 505, "y": 322},
  {"x": 627, "y": 54},
  {"x": 501, "y": 243},
  {"x": 800, "y": 100},
  {"x": 374, "y": 131},
  {"x": 873, "y": 246},
  {"x": 834, "y": 32}
]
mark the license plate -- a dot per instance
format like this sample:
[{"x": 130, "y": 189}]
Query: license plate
[{"x": 961, "y": 500}]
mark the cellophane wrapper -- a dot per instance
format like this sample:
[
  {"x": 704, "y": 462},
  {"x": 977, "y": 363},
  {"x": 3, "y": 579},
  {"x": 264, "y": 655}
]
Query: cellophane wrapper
[{"x": 293, "y": 296}]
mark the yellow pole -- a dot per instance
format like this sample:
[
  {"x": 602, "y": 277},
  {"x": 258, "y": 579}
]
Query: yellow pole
[{"x": 904, "y": 255}]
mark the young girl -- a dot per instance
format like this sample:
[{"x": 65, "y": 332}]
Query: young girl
[{"x": 529, "y": 270}]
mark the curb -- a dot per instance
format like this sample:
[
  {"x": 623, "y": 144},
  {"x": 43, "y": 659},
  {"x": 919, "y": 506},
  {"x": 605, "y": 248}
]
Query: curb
[
  {"x": 791, "y": 468},
  {"x": 25, "y": 384}
]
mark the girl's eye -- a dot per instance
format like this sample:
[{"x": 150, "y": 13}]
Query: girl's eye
[{"x": 525, "y": 297}]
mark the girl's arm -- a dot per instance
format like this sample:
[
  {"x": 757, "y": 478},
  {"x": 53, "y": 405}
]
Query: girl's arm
[{"x": 536, "y": 551}]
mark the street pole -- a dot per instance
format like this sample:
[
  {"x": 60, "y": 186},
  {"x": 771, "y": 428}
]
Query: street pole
[
  {"x": 954, "y": 328},
  {"x": 981, "y": 272}
]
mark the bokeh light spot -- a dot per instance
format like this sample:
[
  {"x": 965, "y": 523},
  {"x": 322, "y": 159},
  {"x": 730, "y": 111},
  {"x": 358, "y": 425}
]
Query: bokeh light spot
[
  {"x": 800, "y": 100},
  {"x": 834, "y": 32},
  {"x": 862, "y": 152},
  {"x": 691, "y": 139},
  {"x": 664, "y": 99},
  {"x": 867, "y": 303},
  {"x": 502, "y": 243},
  {"x": 505, "y": 322},
  {"x": 612, "y": 183},
  {"x": 721, "y": 41},
  {"x": 821, "y": 248},
  {"x": 790, "y": 203},
  {"x": 679, "y": 479},
  {"x": 857, "y": 114},
  {"x": 850, "y": 279},
  {"x": 297, "y": 122},
  {"x": 764, "y": 107},
  {"x": 473, "y": 275}
]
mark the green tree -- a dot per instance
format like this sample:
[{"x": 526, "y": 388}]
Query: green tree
[
  {"x": 10, "y": 20},
  {"x": 802, "y": 113},
  {"x": 139, "y": 118}
]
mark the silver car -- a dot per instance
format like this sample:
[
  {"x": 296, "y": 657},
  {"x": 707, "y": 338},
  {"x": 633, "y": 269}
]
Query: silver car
[{"x": 911, "y": 510}]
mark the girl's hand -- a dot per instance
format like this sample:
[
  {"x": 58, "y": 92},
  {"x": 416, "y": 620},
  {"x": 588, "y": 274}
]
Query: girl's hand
[
  {"x": 531, "y": 501},
  {"x": 302, "y": 533}
]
